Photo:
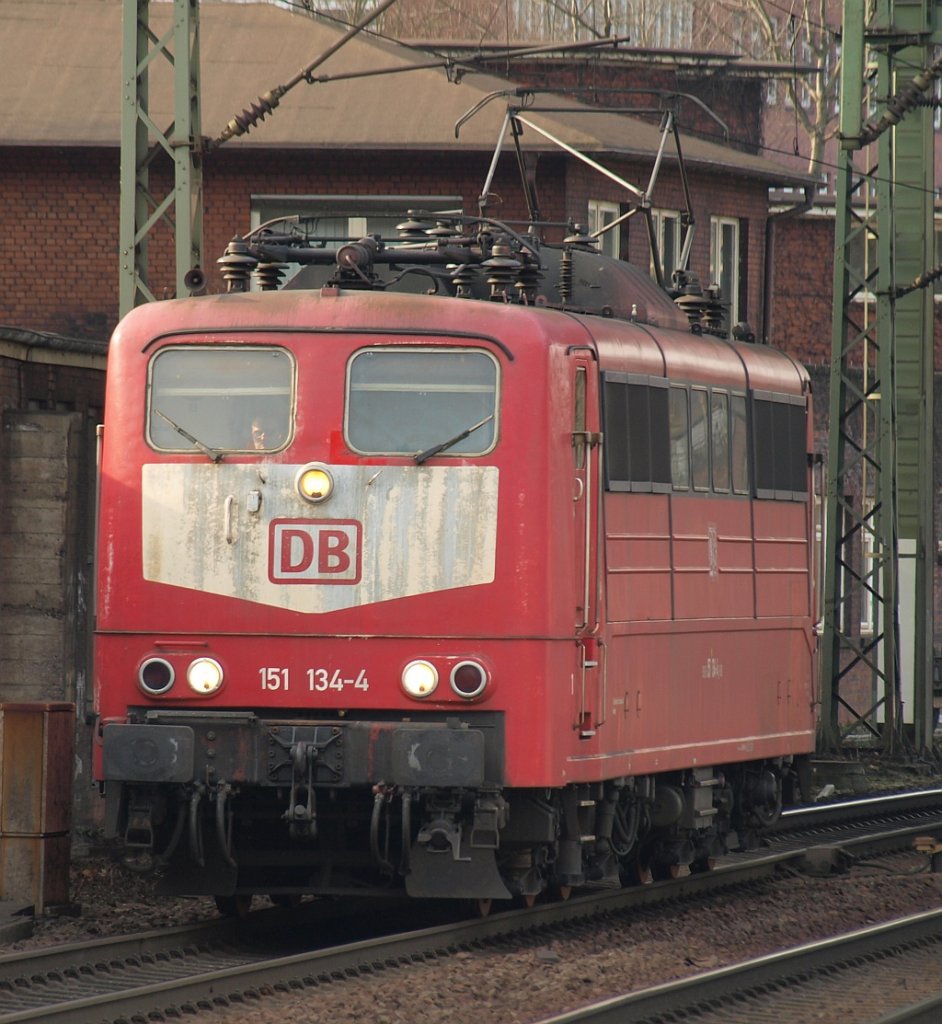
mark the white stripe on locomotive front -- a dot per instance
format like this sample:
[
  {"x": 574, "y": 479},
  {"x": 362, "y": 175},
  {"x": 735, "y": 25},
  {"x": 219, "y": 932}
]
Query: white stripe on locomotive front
[{"x": 423, "y": 529}]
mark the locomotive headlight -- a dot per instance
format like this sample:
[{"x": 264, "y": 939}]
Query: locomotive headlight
[
  {"x": 468, "y": 679},
  {"x": 419, "y": 679},
  {"x": 314, "y": 482},
  {"x": 155, "y": 676},
  {"x": 204, "y": 676}
]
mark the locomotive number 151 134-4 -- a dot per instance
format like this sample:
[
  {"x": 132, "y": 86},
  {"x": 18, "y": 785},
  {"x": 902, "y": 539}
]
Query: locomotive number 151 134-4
[{"x": 318, "y": 679}]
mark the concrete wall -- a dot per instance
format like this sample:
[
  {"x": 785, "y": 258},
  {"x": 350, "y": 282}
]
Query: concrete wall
[
  {"x": 43, "y": 471},
  {"x": 46, "y": 500}
]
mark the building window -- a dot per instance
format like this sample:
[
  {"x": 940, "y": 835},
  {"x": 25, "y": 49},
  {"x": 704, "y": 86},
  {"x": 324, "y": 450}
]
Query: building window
[
  {"x": 669, "y": 241},
  {"x": 602, "y": 214},
  {"x": 725, "y": 264}
]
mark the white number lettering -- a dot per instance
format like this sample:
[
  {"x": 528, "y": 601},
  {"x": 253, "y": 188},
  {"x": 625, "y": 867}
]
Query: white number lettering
[
  {"x": 274, "y": 678},
  {"x": 320, "y": 680}
]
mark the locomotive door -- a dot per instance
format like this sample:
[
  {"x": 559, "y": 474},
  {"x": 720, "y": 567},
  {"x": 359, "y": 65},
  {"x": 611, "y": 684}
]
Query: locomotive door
[{"x": 586, "y": 454}]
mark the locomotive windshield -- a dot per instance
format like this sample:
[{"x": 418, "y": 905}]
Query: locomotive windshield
[
  {"x": 225, "y": 398},
  {"x": 405, "y": 401}
]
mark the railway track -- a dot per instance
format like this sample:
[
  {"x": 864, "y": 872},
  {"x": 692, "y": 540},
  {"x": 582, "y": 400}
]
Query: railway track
[
  {"x": 887, "y": 974},
  {"x": 893, "y": 809},
  {"x": 185, "y": 970}
]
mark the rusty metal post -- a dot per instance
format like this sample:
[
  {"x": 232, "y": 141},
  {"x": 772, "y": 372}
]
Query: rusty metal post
[{"x": 37, "y": 744}]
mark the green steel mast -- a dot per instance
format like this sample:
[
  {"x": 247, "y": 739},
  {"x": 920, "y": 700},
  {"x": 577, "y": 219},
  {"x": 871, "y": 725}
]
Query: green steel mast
[
  {"x": 878, "y": 600},
  {"x": 181, "y": 209}
]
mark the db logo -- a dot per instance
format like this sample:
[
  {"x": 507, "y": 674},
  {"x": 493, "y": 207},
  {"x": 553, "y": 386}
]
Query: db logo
[{"x": 314, "y": 551}]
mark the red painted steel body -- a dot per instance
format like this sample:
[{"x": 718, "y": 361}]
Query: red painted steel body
[{"x": 624, "y": 633}]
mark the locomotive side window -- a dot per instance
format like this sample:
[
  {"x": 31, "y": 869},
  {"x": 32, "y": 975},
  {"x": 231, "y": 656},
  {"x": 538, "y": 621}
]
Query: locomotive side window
[
  {"x": 700, "y": 439},
  {"x": 637, "y": 432},
  {"x": 221, "y": 399},
  {"x": 406, "y": 400},
  {"x": 719, "y": 436},
  {"x": 739, "y": 444},
  {"x": 779, "y": 441},
  {"x": 680, "y": 441},
  {"x": 680, "y": 436}
]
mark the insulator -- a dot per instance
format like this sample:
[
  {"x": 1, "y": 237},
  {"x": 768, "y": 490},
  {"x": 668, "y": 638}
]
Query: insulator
[
  {"x": 528, "y": 280},
  {"x": 444, "y": 231},
  {"x": 688, "y": 294},
  {"x": 565, "y": 275},
  {"x": 581, "y": 239},
  {"x": 900, "y": 104},
  {"x": 502, "y": 270},
  {"x": 413, "y": 229},
  {"x": 241, "y": 123},
  {"x": 237, "y": 264},
  {"x": 714, "y": 314},
  {"x": 463, "y": 278},
  {"x": 269, "y": 275},
  {"x": 926, "y": 278},
  {"x": 694, "y": 308}
]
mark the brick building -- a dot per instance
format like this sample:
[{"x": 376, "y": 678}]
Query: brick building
[
  {"x": 391, "y": 138},
  {"x": 350, "y": 155}
]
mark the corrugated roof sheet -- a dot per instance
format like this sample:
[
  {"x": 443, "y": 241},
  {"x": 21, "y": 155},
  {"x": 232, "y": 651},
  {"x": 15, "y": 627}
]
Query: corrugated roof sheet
[{"x": 60, "y": 76}]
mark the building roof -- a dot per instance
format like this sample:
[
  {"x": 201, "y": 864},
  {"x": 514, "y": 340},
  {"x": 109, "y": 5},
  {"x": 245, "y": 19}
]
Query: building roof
[
  {"x": 61, "y": 82},
  {"x": 702, "y": 63},
  {"x": 56, "y": 349}
]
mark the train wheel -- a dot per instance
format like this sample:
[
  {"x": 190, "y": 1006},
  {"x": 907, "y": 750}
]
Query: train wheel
[
  {"x": 290, "y": 901},
  {"x": 529, "y": 899},
  {"x": 640, "y": 873},
  {"x": 484, "y": 908},
  {"x": 234, "y": 906}
]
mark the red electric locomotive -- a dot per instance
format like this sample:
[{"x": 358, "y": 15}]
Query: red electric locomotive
[{"x": 480, "y": 593}]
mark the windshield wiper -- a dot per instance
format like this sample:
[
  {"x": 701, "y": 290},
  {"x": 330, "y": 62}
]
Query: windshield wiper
[
  {"x": 210, "y": 453},
  {"x": 445, "y": 445}
]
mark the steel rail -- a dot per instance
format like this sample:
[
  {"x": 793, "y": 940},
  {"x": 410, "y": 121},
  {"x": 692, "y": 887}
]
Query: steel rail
[
  {"x": 752, "y": 991},
  {"x": 859, "y": 808},
  {"x": 235, "y": 984},
  {"x": 194, "y": 988}
]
